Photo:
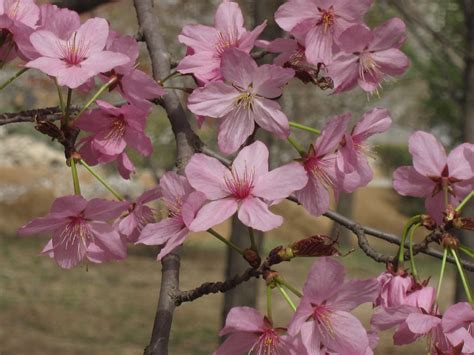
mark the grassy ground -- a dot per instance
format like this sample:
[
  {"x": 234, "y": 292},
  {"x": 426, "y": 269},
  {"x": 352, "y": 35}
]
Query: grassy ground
[{"x": 109, "y": 309}]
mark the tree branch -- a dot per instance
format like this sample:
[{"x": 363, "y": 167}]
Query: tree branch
[
  {"x": 187, "y": 144},
  {"x": 41, "y": 114},
  {"x": 81, "y": 5},
  {"x": 216, "y": 287}
]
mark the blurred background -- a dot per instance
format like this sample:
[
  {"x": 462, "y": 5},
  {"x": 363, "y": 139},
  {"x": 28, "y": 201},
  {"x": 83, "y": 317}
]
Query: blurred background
[{"x": 109, "y": 308}]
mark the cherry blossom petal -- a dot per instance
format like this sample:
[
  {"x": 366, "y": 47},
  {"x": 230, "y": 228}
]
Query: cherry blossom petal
[
  {"x": 159, "y": 233},
  {"x": 331, "y": 134},
  {"x": 235, "y": 128},
  {"x": 314, "y": 197},
  {"x": 213, "y": 213},
  {"x": 388, "y": 34},
  {"x": 92, "y": 36},
  {"x": 70, "y": 253},
  {"x": 292, "y": 13},
  {"x": 199, "y": 37},
  {"x": 325, "y": 278},
  {"x": 429, "y": 156},
  {"x": 270, "y": 117},
  {"x": 238, "y": 67},
  {"x": 41, "y": 225},
  {"x": 173, "y": 242},
  {"x": 460, "y": 160},
  {"x": 311, "y": 338},
  {"x": 355, "y": 292},
  {"x": 229, "y": 18},
  {"x": 319, "y": 45},
  {"x": 238, "y": 343},
  {"x": 104, "y": 210},
  {"x": 47, "y": 44},
  {"x": 281, "y": 182},
  {"x": 355, "y": 38},
  {"x": 254, "y": 213},
  {"x": 108, "y": 239},
  {"x": 253, "y": 158},
  {"x": 408, "y": 182},
  {"x": 191, "y": 206},
  {"x": 375, "y": 121},
  {"x": 174, "y": 187},
  {"x": 206, "y": 174},
  {"x": 247, "y": 40},
  {"x": 269, "y": 79},
  {"x": 213, "y": 100},
  {"x": 243, "y": 319}
]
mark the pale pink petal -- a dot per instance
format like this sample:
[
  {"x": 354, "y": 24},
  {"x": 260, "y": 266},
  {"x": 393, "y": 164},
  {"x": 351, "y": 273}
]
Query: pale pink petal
[
  {"x": 73, "y": 76},
  {"x": 159, "y": 233},
  {"x": 127, "y": 225},
  {"x": 292, "y": 13},
  {"x": 254, "y": 213},
  {"x": 253, "y": 158},
  {"x": 104, "y": 210},
  {"x": 375, "y": 121},
  {"x": 213, "y": 100},
  {"x": 68, "y": 253},
  {"x": 138, "y": 87},
  {"x": 247, "y": 40},
  {"x": 40, "y": 225},
  {"x": 460, "y": 160},
  {"x": 319, "y": 45},
  {"x": 355, "y": 38},
  {"x": 92, "y": 36},
  {"x": 311, "y": 339},
  {"x": 229, "y": 18},
  {"x": 281, "y": 182},
  {"x": 457, "y": 314},
  {"x": 48, "y": 44},
  {"x": 404, "y": 335},
  {"x": 191, "y": 206},
  {"x": 174, "y": 187},
  {"x": 346, "y": 156},
  {"x": 149, "y": 195},
  {"x": 108, "y": 239},
  {"x": 314, "y": 197},
  {"x": 269, "y": 116},
  {"x": 204, "y": 65},
  {"x": 435, "y": 205},
  {"x": 325, "y": 278},
  {"x": 346, "y": 334},
  {"x": 104, "y": 61},
  {"x": 125, "y": 166},
  {"x": 355, "y": 292},
  {"x": 199, "y": 37},
  {"x": 269, "y": 79},
  {"x": 331, "y": 134},
  {"x": 238, "y": 67},
  {"x": 243, "y": 319},
  {"x": 391, "y": 61},
  {"x": 236, "y": 344},
  {"x": 429, "y": 156},
  {"x": 206, "y": 174},
  {"x": 73, "y": 205},
  {"x": 408, "y": 182},
  {"x": 351, "y": 10},
  {"x": 388, "y": 34},
  {"x": 213, "y": 213},
  {"x": 235, "y": 128},
  {"x": 139, "y": 141},
  {"x": 464, "y": 336},
  {"x": 419, "y": 323},
  {"x": 176, "y": 240},
  {"x": 385, "y": 318},
  {"x": 50, "y": 66},
  {"x": 344, "y": 71},
  {"x": 360, "y": 177},
  {"x": 105, "y": 145}
]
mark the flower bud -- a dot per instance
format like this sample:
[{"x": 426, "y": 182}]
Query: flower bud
[
  {"x": 449, "y": 241},
  {"x": 252, "y": 257}
]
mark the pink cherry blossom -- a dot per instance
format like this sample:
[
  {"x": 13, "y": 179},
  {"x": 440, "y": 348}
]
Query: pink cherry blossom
[
  {"x": 321, "y": 22},
  {"x": 206, "y": 45},
  {"x": 368, "y": 57},
  {"x": 18, "y": 18},
  {"x": 133, "y": 84},
  {"x": 353, "y": 168},
  {"x": 243, "y": 100},
  {"x": 320, "y": 165},
  {"x": 394, "y": 289},
  {"x": 92, "y": 156},
  {"x": 139, "y": 215},
  {"x": 115, "y": 128},
  {"x": 247, "y": 187},
  {"x": 182, "y": 203},
  {"x": 323, "y": 316},
  {"x": 292, "y": 55},
  {"x": 62, "y": 22},
  {"x": 458, "y": 326},
  {"x": 250, "y": 332},
  {"x": 80, "y": 230},
  {"x": 79, "y": 58},
  {"x": 433, "y": 172}
]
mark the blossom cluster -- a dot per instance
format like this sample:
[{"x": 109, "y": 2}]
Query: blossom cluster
[{"x": 327, "y": 44}]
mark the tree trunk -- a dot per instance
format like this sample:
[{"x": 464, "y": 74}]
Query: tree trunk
[
  {"x": 467, "y": 238},
  {"x": 345, "y": 207}
]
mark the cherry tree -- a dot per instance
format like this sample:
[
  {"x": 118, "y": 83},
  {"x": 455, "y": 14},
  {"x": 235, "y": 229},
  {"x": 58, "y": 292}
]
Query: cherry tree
[{"x": 327, "y": 46}]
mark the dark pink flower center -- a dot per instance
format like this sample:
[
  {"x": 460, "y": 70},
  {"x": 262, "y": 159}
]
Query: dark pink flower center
[
  {"x": 317, "y": 168},
  {"x": 240, "y": 186},
  {"x": 327, "y": 19},
  {"x": 76, "y": 231},
  {"x": 74, "y": 51},
  {"x": 444, "y": 182},
  {"x": 174, "y": 207},
  {"x": 226, "y": 40},
  {"x": 368, "y": 67},
  {"x": 117, "y": 128},
  {"x": 268, "y": 343}
]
